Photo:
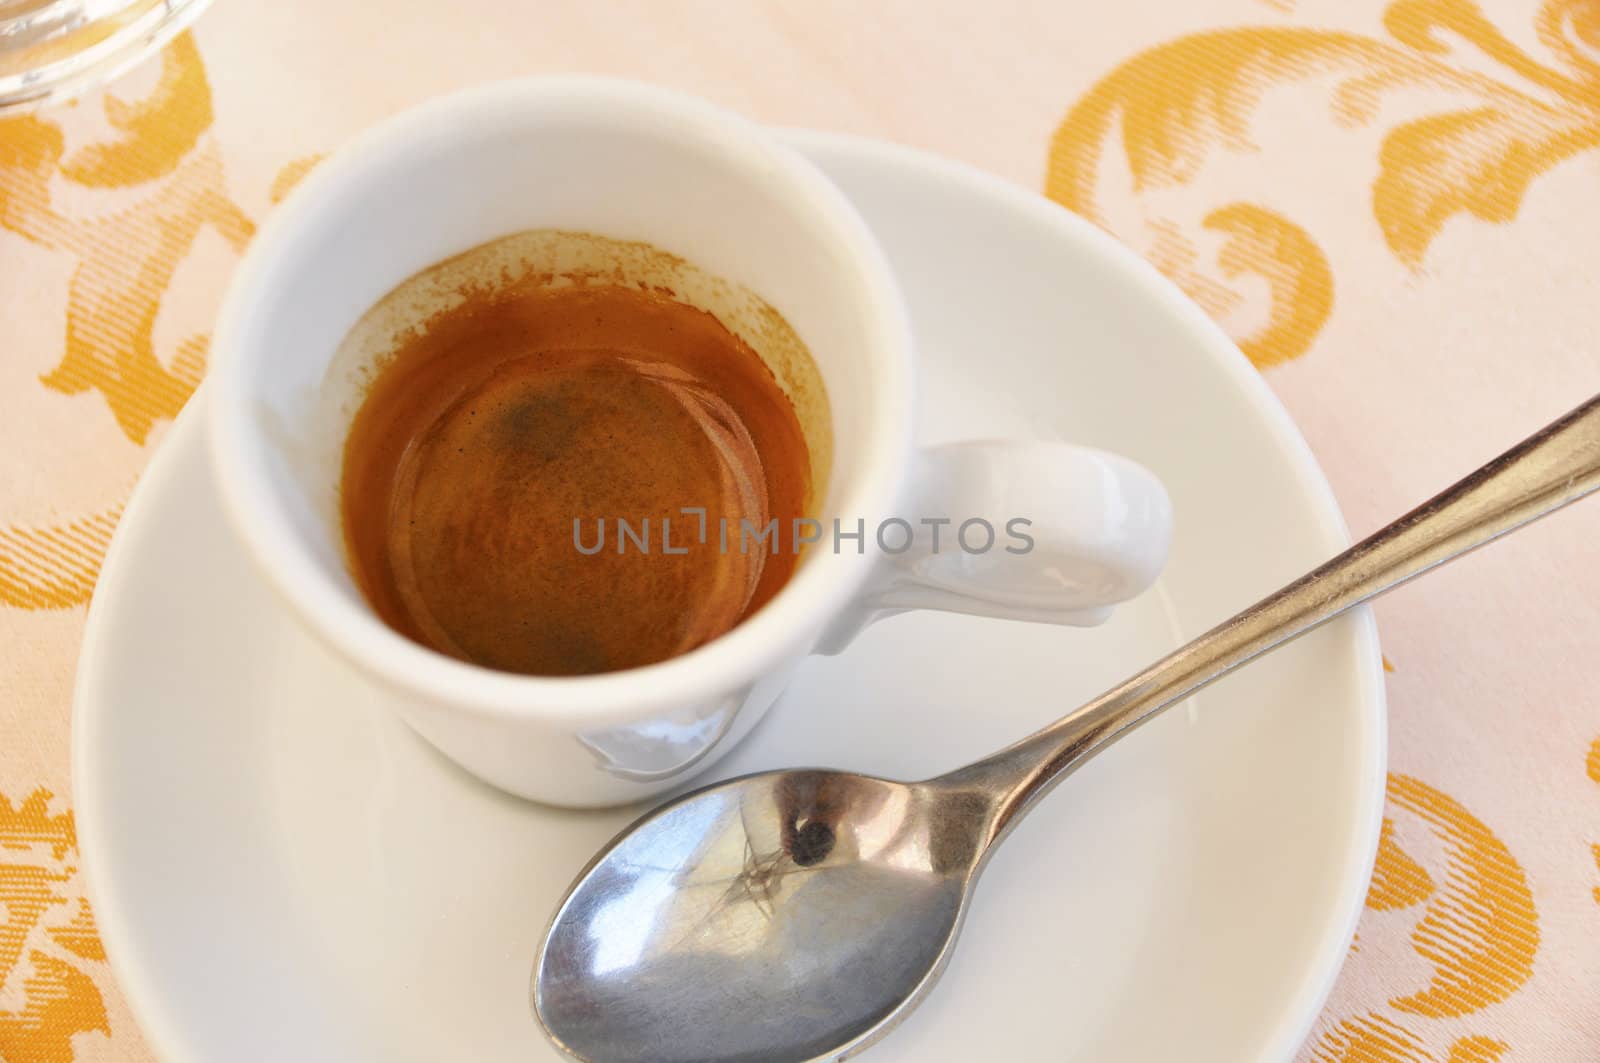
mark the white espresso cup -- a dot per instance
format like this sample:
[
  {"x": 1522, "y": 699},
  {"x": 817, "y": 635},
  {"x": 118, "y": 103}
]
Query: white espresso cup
[{"x": 634, "y": 163}]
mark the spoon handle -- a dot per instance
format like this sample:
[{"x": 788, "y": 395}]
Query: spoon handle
[{"x": 1556, "y": 466}]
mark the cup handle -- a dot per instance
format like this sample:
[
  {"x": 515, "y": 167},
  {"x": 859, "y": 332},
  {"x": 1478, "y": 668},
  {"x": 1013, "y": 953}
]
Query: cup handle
[{"x": 1040, "y": 531}]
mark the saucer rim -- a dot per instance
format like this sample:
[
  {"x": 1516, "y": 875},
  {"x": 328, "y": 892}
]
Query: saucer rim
[{"x": 1288, "y": 1032}]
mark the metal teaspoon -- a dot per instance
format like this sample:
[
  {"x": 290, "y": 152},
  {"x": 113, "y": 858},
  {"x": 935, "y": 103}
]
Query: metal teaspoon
[{"x": 799, "y": 915}]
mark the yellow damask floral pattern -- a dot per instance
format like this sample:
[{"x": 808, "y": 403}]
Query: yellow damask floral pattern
[
  {"x": 47, "y": 935},
  {"x": 126, "y": 259},
  {"x": 125, "y": 262},
  {"x": 1476, "y": 926},
  {"x": 55, "y": 566},
  {"x": 1176, "y": 104},
  {"x": 1374, "y": 1039}
]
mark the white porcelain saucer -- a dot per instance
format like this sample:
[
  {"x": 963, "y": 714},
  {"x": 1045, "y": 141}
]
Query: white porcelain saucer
[{"x": 281, "y": 870}]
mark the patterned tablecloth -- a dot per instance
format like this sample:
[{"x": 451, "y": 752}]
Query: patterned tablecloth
[{"x": 1393, "y": 207}]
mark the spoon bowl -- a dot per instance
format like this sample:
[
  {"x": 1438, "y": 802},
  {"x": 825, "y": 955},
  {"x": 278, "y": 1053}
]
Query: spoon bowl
[{"x": 779, "y": 917}]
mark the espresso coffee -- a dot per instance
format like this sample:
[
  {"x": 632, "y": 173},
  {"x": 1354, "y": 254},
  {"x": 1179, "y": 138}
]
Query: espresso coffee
[{"x": 508, "y": 434}]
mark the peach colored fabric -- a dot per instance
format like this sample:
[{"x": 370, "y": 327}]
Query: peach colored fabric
[{"x": 1391, "y": 204}]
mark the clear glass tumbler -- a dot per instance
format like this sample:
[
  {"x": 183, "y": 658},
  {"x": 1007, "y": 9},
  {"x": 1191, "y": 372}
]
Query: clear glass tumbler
[{"x": 56, "y": 49}]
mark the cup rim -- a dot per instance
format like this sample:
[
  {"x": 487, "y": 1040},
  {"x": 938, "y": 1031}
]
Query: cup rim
[{"x": 785, "y": 627}]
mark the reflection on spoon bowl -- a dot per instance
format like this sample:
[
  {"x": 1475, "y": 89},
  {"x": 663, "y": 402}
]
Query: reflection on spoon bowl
[{"x": 794, "y": 909}]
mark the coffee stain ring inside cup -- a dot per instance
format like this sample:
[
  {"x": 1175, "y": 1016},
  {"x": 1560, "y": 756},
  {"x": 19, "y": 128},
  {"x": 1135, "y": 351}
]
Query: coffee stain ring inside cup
[{"x": 549, "y": 333}]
